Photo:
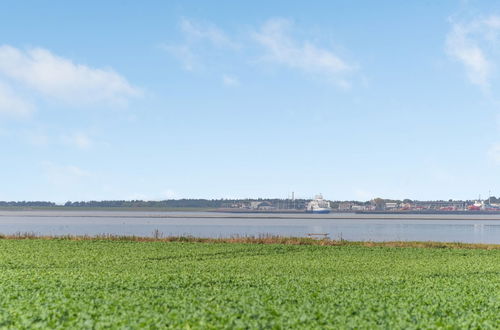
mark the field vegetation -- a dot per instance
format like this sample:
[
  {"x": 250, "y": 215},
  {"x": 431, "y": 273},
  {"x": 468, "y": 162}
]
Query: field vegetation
[
  {"x": 155, "y": 283},
  {"x": 158, "y": 236}
]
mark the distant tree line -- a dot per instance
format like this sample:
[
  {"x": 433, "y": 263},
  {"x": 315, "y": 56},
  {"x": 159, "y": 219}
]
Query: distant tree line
[
  {"x": 177, "y": 203},
  {"x": 195, "y": 203},
  {"x": 495, "y": 200},
  {"x": 26, "y": 204},
  {"x": 173, "y": 203}
]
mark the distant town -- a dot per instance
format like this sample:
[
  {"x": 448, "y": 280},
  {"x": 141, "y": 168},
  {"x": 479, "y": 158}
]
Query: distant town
[
  {"x": 316, "y": 205},
  {"x": 492, "y": 204}
]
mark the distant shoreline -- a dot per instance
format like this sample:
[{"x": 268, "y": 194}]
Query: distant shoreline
[
  {"x": 236, "y": 212},
  {"x": 211, "y": 214}
]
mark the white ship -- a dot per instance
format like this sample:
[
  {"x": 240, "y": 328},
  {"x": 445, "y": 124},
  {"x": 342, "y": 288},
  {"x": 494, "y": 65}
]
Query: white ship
[{"x": 318, "y": 205}]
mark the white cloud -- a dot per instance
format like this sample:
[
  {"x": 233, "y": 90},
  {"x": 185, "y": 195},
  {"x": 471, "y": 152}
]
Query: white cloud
[
  {"x": 203, "y": 42},
  {"x": 475, "y": 45},
  {"x": 230, "y": 81},
  {"x": 198, "y": 38},
  {"x": 79, "y": 140},
  {"x": 59, "y": 78},
  {"x": 13, "y": 105},
  {"x": 196, "y": 31},
  {"x": 281, "y": 48},
  {"x": 466, "y": 50}
]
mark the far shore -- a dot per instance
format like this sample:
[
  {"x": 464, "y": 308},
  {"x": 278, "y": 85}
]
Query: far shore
[{"x": 173, "y": 213}]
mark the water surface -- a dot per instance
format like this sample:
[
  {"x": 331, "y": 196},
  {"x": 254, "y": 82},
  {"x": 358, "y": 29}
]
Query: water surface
[{"x": 467, "y": 229}]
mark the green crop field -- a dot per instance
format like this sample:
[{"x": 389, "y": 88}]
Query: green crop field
[{"x": 126, "y": 284}]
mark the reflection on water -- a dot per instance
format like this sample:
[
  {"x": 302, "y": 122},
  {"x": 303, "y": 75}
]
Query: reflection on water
[{"x": 449, "y": 230}]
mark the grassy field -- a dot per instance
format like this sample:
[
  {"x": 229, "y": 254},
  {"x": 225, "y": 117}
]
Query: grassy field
[{"x": 133, "y": 284}]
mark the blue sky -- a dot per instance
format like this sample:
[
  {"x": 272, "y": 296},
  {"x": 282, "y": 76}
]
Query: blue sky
[{"x": 192, "y": 99}]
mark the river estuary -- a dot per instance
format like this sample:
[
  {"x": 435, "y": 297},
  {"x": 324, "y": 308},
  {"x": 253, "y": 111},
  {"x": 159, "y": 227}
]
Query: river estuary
[{"x": 353, "y": 227}]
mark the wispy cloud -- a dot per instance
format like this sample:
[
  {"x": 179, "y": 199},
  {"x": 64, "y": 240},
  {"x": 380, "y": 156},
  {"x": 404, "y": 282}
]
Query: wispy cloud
[
  {"x": 282, "y": 48},
  {"x": 475, "y": 45},
  {"x": 198, "y": 31},
  {"x": 197, "y": 37},
  {"x": 61, "y": 79},
  {"x": 230, "y": 81},
  {"x": 79, "y": 140},
  {"x": 13, "y": 105},
  {"x": 206, "y": 46}
]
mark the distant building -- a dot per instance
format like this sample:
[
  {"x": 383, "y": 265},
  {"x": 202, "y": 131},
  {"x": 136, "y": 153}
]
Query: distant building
[
  {"x": 261, "y": 205},
  {"x": 358, "y": 208},
  {"x": 345, "y": 206},
  {"x": 391, "y": 205}
]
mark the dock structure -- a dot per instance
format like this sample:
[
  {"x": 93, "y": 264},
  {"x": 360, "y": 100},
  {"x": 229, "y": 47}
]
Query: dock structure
[{"x": 318, "y": 236}]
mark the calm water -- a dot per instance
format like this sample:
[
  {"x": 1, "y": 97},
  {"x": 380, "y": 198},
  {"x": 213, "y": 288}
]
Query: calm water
[{"x": 373, "y": 228}]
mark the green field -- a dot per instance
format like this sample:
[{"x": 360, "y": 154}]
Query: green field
[{"x": 125, "y": 284}]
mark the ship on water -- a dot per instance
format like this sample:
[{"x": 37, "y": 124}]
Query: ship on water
[{"x": 318, "y": 205}]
